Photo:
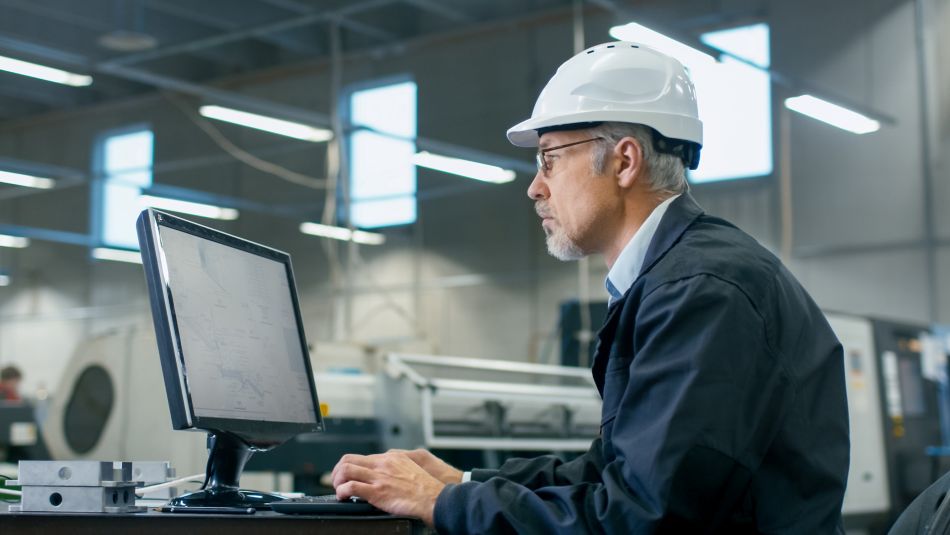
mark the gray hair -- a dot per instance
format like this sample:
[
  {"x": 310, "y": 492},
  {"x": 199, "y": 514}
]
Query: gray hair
[{"x": 666, "y": 172}]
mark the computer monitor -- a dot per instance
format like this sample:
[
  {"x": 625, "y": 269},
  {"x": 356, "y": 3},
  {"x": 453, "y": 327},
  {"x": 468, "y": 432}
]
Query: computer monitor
[{"x": 232, "y": 346}]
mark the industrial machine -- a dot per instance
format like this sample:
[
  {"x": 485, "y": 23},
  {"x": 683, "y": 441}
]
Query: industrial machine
[
  {"x": 478, "y": 404},
  {"x": 895, "y": 411},
  {"x": 110, "y": 404}
]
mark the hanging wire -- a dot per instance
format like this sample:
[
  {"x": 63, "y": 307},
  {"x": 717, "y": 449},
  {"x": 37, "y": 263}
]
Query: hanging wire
[{"x": 240, "y": 154}]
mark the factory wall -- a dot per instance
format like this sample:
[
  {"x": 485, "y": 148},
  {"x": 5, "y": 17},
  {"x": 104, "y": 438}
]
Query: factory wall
[
  {"x": 471, "y": 277},
  {"x": 860, "y": 232}
]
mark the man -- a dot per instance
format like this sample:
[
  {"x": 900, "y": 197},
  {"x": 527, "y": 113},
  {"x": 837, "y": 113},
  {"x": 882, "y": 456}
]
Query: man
[
  {"x": 724, "y": 404},
  {"x": 10, "y": 378}
]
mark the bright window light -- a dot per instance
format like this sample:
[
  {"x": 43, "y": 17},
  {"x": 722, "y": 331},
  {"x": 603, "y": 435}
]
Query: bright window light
[
  {"x": 734, "y": 98},
  {"x": 267, "y": 124},
  {"x": 832, "y": 114},
  {"x": 344, "y": 234},
  {"x": 186, "y": 207},
  {"x": 124, "y": 167},
  {"x": 28, "y": 181},
  {"x": 4, "y": 280},
  {"x": 42, "y": 72},
  {"x": 382, "y": 172},
  {"x": 117, "y": 255},
  {"x": 750, "y": 43},
  {"x": 638, "y": 33},
  {"x": 466, "y": 168},
  {"x": 16, "y": 242}
]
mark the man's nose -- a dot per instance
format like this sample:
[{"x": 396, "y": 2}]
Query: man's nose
[{"x": 537, "y": 190}]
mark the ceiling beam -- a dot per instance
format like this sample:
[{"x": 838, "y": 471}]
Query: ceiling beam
[
  {"x": 438, "y": 8},
  {"x": 366, "y": 29},
  {"x": 222, "y": 24},
  {"x": 164, "y": 82},
  {"x": 74, "y": 19},
  {"x": 352, "y": 25},
  {"x": 18, "y": 87},
  {"x": 251, "y": 32}
]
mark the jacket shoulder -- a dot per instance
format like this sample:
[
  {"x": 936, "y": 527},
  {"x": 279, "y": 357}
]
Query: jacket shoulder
[{"x": 714, "y": 247}]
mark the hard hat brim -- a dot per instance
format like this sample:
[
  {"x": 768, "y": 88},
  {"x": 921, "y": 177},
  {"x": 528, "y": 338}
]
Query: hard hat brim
[{"x": 525, "y": 133}]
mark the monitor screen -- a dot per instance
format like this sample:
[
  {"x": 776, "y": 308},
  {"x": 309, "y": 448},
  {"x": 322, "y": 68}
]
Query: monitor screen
[
  {"x": 238, "y": 331},
  {"x": 229, "y": 332}
]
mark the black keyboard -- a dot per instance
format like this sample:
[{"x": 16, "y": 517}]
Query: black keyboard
[{"x": 325, "y": 505}]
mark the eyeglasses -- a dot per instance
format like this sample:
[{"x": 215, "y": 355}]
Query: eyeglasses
[{"x": 544, "y": 165}]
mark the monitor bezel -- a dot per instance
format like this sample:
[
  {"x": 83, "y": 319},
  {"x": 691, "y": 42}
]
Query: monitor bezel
[{"x": 256, "y": 432}]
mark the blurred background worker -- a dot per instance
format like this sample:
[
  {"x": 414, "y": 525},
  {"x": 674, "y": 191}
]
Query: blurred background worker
[{"x": 10, "y": 378}]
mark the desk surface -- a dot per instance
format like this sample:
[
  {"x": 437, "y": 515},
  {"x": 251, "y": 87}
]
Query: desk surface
[{"x": 164, "y": 523}]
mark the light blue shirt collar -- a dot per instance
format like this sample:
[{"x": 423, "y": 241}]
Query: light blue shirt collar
[{"x": 628, "y": 265}]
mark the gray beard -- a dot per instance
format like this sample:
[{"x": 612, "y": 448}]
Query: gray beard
[{"x": 562, "y": 248}]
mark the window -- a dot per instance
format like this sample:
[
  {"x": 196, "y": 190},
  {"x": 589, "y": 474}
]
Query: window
[
  {"x": 381, "y": 144},
  {"x": 735, "y": 106},
  {"x": 123, "y": 167}
]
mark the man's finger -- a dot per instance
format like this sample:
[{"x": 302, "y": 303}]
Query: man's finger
[
  {"x": 346, "y": 458},
  {"x": 355, "y": 488},
  {"x": 352, "y": 472}
]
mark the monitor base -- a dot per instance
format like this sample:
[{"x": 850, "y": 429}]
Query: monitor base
[
  {"x": 238, "y": 499},
  {"x": 222, "y": 489}
]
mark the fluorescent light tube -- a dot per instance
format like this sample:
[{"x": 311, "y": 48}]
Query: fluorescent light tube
[
  {"x": 17, "y": 242},
  {"x": 832, "y": 114},
  {"x": 267, "y": 124},
  {"x": 340, "y": 233},
  {"x": 187, "y": 207},
  {"x": 638, "y": 33},
  {"x": 43, "y": 72},
  {"x": 29, "y": 181},
  {"x": 118, "y": 255},
  {"x": 466, "y": 168},
  {"x": 4, "y": 280}
]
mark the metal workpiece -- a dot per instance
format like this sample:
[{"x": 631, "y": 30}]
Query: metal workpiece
[
  {"x": 464, "y": 403},
  {"x": 74, "y": 473},
  {"x": 50, "y": 499},
  {"x": 76, "y": 487}
]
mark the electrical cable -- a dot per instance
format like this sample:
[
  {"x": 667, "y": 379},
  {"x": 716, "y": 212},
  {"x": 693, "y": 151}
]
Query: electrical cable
[
  {"x": 242, "y": 155},
  {"x": 158, "y": 486}
]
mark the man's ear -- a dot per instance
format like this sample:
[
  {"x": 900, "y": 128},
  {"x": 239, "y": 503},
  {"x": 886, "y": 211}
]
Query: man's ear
[{"x": 628, "y": 161}]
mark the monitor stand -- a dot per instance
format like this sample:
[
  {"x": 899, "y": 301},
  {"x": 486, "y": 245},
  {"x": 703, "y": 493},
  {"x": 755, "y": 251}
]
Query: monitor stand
[{"x": 226, "y": 459}]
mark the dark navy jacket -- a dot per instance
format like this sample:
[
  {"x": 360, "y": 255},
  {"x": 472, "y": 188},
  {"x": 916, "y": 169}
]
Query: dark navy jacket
[{"x": 724, "y": 407}]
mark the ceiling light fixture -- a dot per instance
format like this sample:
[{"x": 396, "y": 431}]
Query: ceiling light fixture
[
  {"x": 16, "y": 242},
  {"x": 118, "y": 255},
  {"x": 638, "y": 33},
  {"x": 127, "y": 41},
  {"x": 344, "y": 234},
  {"x": 466, "y": 168},
  {"x": 42, "y": 72},
  {"x": 832, "y": 114},
  {"x": 267, "y": 124},
  {"x": 28, "y": 181},
  {"x": 187, "y": 207}
]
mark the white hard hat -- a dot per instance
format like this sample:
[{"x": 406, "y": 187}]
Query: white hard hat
[{"x": 619, "y": 82}]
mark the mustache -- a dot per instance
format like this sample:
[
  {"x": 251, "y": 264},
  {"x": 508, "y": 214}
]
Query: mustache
[{"x": 542, "y": 209}]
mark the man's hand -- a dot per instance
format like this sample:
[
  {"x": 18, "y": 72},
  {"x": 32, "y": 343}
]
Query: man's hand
[
  {"x": 391, "y": 481},
  {"x": 436, "y": 467}
]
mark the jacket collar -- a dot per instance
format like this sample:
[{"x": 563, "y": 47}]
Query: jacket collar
[{"x": 680, "y": 215}]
